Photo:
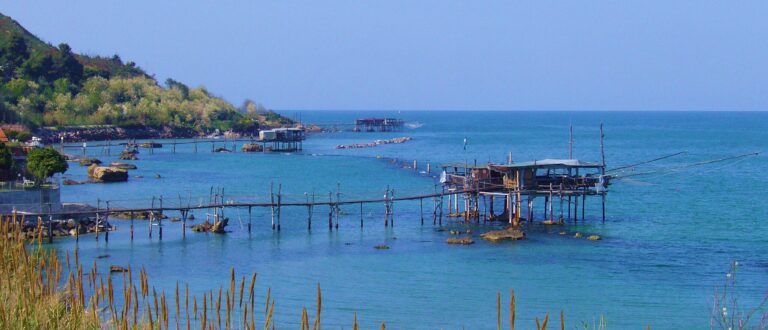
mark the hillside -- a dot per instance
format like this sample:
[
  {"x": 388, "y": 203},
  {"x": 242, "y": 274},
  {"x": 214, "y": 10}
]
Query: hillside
[{"x": 42, "y": 85}]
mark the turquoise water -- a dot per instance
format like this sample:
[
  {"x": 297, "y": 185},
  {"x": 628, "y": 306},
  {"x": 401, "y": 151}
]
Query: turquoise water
[{"x": 667, "y": 241}]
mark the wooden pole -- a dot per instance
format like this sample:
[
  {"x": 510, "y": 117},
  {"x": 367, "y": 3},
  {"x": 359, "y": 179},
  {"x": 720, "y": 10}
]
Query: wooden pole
[
  {"x": 330, "y": 210},
  {"x": 421, "y": 210},
  {"x": 386, "y": 207},
  {"x": 106, "y": 222},
  {"x": 250, "y": 219},
  {"x": 98, "y": 206},
  {"x": 160, "y": 220},
  {"x": 602, "y": 168},
  {"x": 361, "y": 215},
  {"x": 279, "y": 203},
  {"x": 272, "y": 202},
  {"x": 151, "y": 217},
  {"x": 131, "y": 214}
]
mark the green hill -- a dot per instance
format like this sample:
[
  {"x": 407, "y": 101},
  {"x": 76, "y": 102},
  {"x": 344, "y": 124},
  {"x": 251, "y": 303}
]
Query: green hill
[{"x": 43, "y": 85}]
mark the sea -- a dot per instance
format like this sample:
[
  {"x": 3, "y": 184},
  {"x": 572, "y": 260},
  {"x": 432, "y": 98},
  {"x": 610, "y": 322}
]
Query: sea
[{"x": 672, "y": 232}]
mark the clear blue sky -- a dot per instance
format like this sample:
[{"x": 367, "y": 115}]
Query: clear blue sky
[{"x": 427, "y": 55}]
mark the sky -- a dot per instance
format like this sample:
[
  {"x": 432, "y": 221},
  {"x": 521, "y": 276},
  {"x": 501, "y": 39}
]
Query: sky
[{"x": 432, "y": 55}]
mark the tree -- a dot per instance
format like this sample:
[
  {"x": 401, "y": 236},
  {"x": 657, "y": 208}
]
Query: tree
[
  {"x": 13, "y": 54},
  {"x": 68, "y": 66},
  {"x": 44, "y": 163},
  {"x": 6, "y": 161}
]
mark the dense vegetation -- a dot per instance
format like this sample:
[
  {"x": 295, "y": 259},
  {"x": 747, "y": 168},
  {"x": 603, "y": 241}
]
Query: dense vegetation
[{"x": 42, "y": 85}]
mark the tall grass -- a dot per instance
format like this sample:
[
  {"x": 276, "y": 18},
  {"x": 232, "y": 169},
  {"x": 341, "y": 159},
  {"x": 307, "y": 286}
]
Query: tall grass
[{"x": 39, "y": 291}]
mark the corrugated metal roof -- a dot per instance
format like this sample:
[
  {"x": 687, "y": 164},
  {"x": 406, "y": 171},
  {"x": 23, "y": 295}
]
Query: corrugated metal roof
[{"x": 550, "y": 163}]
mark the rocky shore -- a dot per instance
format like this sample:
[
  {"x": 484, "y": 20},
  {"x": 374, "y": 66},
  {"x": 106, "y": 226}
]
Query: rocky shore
[{"x": 108, "y": 132}]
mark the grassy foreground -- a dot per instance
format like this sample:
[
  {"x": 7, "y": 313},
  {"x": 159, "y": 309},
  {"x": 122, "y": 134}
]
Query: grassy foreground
[{"x": 40, "y": 291}]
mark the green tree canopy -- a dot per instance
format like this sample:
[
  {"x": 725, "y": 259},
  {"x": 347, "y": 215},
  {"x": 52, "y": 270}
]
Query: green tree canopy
[
  {"x": 6, "y": 161},
  {"x": 45, "y": 162}
]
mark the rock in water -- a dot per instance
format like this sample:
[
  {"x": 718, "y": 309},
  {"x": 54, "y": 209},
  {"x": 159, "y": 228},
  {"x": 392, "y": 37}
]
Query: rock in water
[
  {"x": 117, "y": 269},
  {"x": 252, "y": 147},
  {"x": 460, "y": 240},
  {"x": 216, "y": 227},
  {"x": 499, "y": 235},
  {"x": 222, "y": 149},
  {"x": 128, "y": 155},
  {"x": 89, "y": 161},
  {"x": 125, "y": 166},
  {"x": 107, "y": 174}
]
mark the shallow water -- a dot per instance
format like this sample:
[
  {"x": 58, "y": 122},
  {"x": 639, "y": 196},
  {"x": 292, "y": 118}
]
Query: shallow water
[{"x": 667, "y": 241}]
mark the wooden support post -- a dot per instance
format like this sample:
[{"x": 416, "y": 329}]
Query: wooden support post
[
  {"x": 194, "y": 143},
  {"x": 174, "y": 146},
  {"x": 421, "y": 210},
  {"x": 429, "y": 168},
  {"x": 272, "y": 203},
  {"x": 279, "y": 203},
  {"x": 551, "y": 200},
  {"x": 530, "y": 209},
  {"x": 450, "y": 205},
  {"x": 392, "y": 208},
  {"x": 330, "y": 210},
  {"x": 337, "y": 208},
  {"x": 490, "y": 209},
  {"x": 576, "y": 206},
  {"x": 569, "y": 207},
  {"x": 386, "y": 207},
  {"x": 603, "y": 196},
  {"x": 250, "y": 219},
  {"x": 561, "y": 202},
  {"x": 583, "y": 204},
  {"x": 434, "y": 210},
  {"x": 151, "y": 217},
  {"x": 98, "y": 206},
  {"x": 361, "y": 215},
  {"x": 508, "y": 206},
  {"x": 184, "y": 222},
  {"x": 106, "y": 222},
  {"x": 310, "y": 210},
  {"x": 160, "y": 220},
  {"x": 440, "y": 211},
  {"x": 131, "y": 214}
]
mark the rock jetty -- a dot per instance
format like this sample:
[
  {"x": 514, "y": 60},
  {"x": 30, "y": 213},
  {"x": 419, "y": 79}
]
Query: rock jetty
[{"x": 374, "y": 143}]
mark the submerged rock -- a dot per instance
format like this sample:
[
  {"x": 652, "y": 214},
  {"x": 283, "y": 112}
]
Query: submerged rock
[
  {"x": 460, "y": 240},
  {"x": 252, "y": 147},
  {"x": 206, "y": 227},
  {"x": 594, "y": 238},
  {"x": 381, "y": 247},
  {"x": 500, "y": 235},
  {"x": 117, "y": 269},
  {"x": 128, "y": 155},
  {"x": 125, "y": 166},
  {"x": 89, "y": 161},
  {"x": 577, "y": 235},
  {"x": 69, "y": 182},
  {"x": 222, "y": 149},
  {"x": 552, "y": 222}
]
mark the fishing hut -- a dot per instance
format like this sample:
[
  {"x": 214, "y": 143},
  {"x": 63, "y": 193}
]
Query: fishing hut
[
  {"x": 282, "y": 139},
  {"x": 563, "y": 184},
  {"x": 379, "y": 125}
]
